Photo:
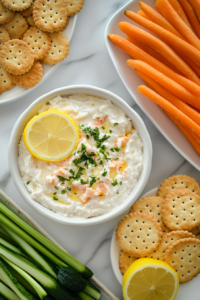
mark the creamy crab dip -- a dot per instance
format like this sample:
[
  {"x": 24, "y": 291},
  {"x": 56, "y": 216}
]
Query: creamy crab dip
[{"x": 100, "y": 173}]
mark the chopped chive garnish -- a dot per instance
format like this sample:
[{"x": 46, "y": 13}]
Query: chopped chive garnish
[
  {"x": 28, "y": 182},
  {"x": 92, "y": 181},
  {"x": 103, "y": 127},
  {"x": 84, "y": 181},
  {"x": 54, "y": 198},
  {"x": 54, "y": 193},
  {"x": 118, "y": 192},
  {"x": 114, "y": 183},
  {"x": 116, "y": 158},
  {"x": 69, "y": 189},
  {"x": 87, "y": 136},
  {"x": 115, "y": 124},
  {"x": 56, "y": 187},
  {"x": 104, "y": 173},
  {"x": 120, "y": 182},
  {"x": 110, "y": 131},
  {"x": 63, "y": 191}
]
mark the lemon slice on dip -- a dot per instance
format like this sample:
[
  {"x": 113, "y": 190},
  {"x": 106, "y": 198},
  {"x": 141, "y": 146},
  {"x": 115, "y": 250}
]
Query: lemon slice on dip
[
  {"x": 150, "y": 279},
  {"x": 51, "y": 136}
]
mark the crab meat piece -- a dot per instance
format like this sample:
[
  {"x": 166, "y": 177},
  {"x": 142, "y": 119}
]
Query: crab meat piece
[
  {"x": 52, "y": 180},
  {"x": 62, "y": 172},
  {"x": 98, "y": 122},
  {"x": 122, "y": 141}
]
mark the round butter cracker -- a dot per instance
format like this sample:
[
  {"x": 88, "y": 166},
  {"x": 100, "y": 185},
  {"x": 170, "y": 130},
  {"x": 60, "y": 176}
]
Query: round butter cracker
[
  {"x": 4, "y": 34},
  {"x": 5, "y": 14},
  {"x": 17, "y": 5},
  {"x": 59, "y": 49},
  {"x": 16, "y": 57},
  {"x": 29, "y": 79},
  {"x": 50, "y": 15},
  {"x": 178, "y": 182},
  {"x": 181, "y": 210},
  {"x": 39, "y": 41},
  {"x": 125, "y": 260},
  {"x": 5, "y": 80},
  {"x": 74, "y": 6},
  {"x": 17, "y": 26},
  {"x": 167, "y": 240},
  {"x": 138, "y": 234},
  {"x": 152, "y": 206},
  {"x": 184, "y": 257}
]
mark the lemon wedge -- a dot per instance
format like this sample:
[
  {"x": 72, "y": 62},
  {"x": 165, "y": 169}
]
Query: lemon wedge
[
  {"x": 150, "y": 279},
  {"x": 51, "y": 136}
]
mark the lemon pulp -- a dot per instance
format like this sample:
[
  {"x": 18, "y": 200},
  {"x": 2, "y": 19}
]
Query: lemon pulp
[
  {"x": 51, "y": 136},
  {"x": 149, "y": 279}
]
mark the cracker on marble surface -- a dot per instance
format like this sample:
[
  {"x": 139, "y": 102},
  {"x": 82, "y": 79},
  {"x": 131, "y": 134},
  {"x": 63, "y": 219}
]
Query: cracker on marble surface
[
  {"x": 29, "y": 79},
  {"x": 178, "y": 182},
  {"x": 125, "y": 260},
  {"x": 16, "y": 57},
  {"x": 59, "y": 49},
  {"x": 17, "y": 5},
  {"x": 73, "y": 6},
  {"x": 50, "y": 15},
  {"x": 167, "y": 240},
  {"x": 181, "y": 210},
  {"x": 5, "y": 14},
  {"x": 139, "y": 234},
  {"x": 5, "y": 81},
  {"x": 184, "y": 257},
  {"x": 39, "y": 41},
  {"x": 17, "y": 26},
  {"x": 152, "y": 206}
]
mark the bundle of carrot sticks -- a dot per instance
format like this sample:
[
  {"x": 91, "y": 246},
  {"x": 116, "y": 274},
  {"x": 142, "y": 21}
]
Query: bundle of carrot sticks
[{"x": 168, "y": 60}]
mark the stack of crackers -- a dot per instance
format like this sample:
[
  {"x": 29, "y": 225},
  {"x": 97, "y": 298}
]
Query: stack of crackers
[
  {"x": 31, "y": 34},
  {"x": 166, "y": 227}
]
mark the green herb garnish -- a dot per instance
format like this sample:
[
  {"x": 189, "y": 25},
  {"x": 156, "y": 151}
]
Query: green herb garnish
[
  {"x": 84, "y": 181},
  {"x": 115, "y": 124},
  {"x": 116, "y": 158},
  {"x": 55, "y": 187},
  {"x": 120, "y": 182},
  {"x": 104, "y": 173},
  {"x": 63, "y": 191},
  {"x": 114, "y": 183},
  {"x": 69, "y": 189},
  {"x": 92, "y": 181},
  {"x": 28, "y": 182},
  {"x": 54, "y": 198}
]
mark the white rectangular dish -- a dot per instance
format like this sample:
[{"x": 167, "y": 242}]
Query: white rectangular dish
[
  {"x": 18, "y": 92},
  {"x": 106, "y": 293},
  {"x": 131, "y": 81}
]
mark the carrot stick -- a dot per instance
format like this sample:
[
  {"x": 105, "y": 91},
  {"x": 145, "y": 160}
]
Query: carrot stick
[
  {"x": 175, "y": 112},
  {"x": 196, "y": 6},
  {"x": 158, "y": 19},
  {"x": 179, "y": 9},
  {"x": 192, "y": 65},
  {"x": 186, "y": 109},
  {"x": 191, "y": 16},
  {"x": 142, "y": 46},
  {"x": 154, "y": 53},
  {"x": 142, "y": 14},
  {"x": 187, "y": 133},
  {"x": 167, "y": 11},
  {"x": 165, "y": 81},
  {"x": 178, "y": 44},
  {"x": 139, "y": 54},
  {"x": 161, "y": 47}
]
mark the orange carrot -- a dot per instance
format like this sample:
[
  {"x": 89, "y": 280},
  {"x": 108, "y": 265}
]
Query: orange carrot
[
  {"x": 186, "y": 132},
  {"x": 178, "y": 44},
  {"x": 179, "y": 9},
  {"x": 191, "y": 16},
  {"x": 161, "y": 47},
  {"x": 192, "y": 65},
  {"x": 158, "y": 19},
  {"x": 139, "y": 54},
  {"x": 165, "y": 81},
  {"x": 167, "y": 11},
  {"x": 175, "y": 112},
  {"x": 153, "y": 53},
  {"x": 196, "y": 137},
  {"x": 142, "y": 46},
  {"x": 196, "y": 6},
  {"x": 186, "y": 109},
  {"x": 142, "y": 14}
]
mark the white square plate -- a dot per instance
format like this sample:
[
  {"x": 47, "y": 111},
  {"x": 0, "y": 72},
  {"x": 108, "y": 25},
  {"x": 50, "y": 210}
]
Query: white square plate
[
  {"x": 131, "y": 81},
  {"x": 189, "y": 290},
  {"x": 18, "y": 92}
]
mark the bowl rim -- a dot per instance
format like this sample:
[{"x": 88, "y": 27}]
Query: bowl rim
[{"x": 147, "y": 152}]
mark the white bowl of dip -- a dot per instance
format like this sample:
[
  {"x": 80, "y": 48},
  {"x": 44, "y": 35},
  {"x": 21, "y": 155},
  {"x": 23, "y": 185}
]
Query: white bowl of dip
[{"x": 33, "y": 109}]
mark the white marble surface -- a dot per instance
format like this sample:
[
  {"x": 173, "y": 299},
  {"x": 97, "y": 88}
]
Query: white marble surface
[{"x": 89, "y": 63}]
